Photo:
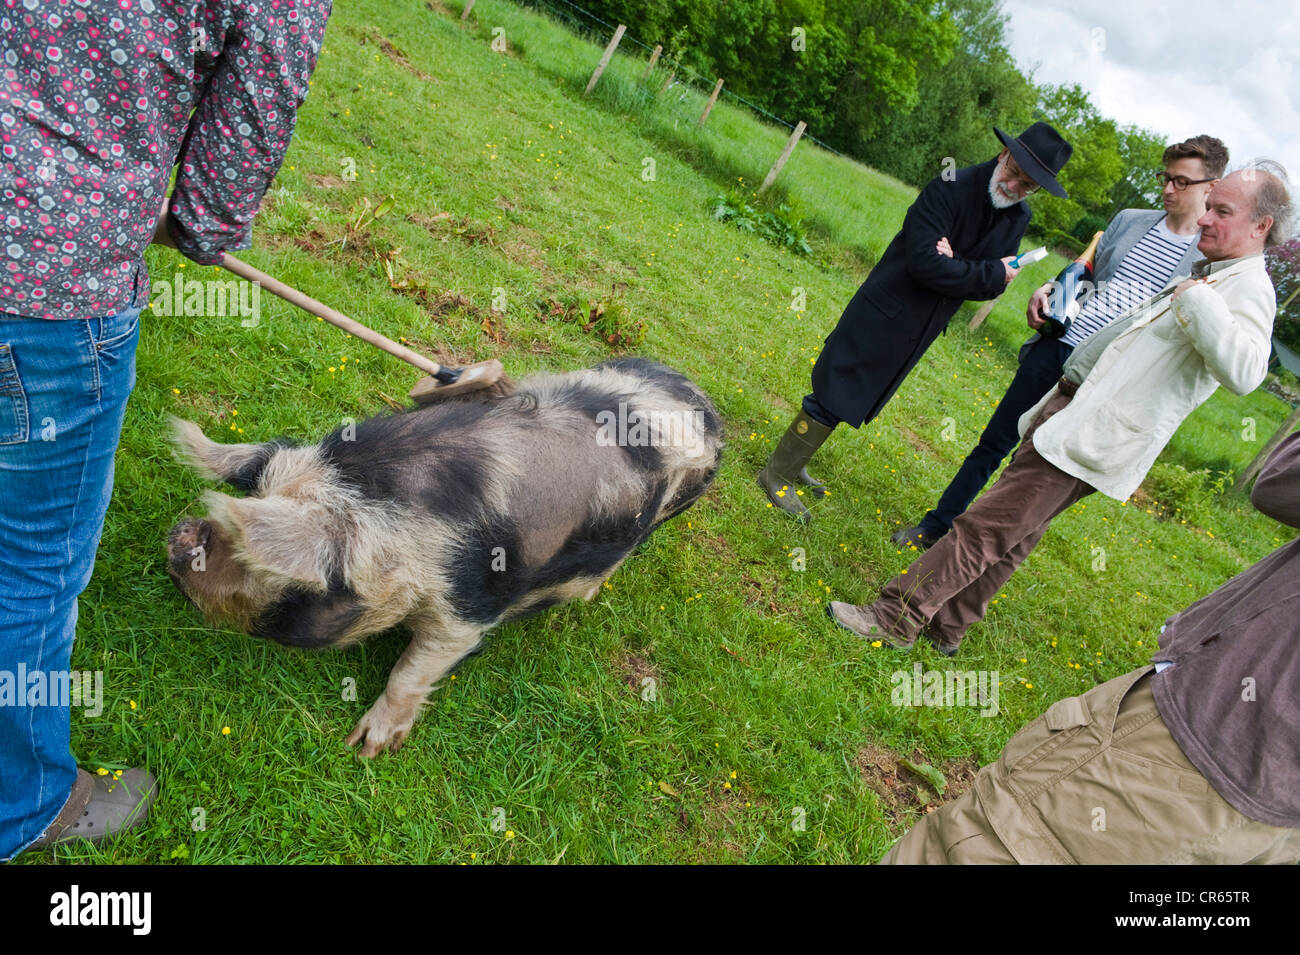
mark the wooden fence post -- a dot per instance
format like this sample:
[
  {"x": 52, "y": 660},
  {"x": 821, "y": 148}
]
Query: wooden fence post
[
  {"x": 978, "y": 319},
  {"x": 781, "y": 160},
  {"x": 1257, "y": 465},
  {"x": 672, "y": 75},
  {"x": 654, "y": 58},
  {"x": 604, "y": 60},
  {"x": 713, "y": 98},
  {"x": 469, "y": 5}
]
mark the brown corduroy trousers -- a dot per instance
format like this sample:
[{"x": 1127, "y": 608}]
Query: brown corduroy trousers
[{"x": 949, "y": 586}]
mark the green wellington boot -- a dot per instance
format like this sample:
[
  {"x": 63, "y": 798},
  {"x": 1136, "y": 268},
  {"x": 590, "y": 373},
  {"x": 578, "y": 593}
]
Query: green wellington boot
[
  {"x": 787, "y": 466},
  {"x": 815, "y": 487}
]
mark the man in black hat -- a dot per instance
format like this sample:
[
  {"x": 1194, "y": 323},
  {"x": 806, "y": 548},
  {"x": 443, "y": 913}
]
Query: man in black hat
[{"x": 957, "y": 242}]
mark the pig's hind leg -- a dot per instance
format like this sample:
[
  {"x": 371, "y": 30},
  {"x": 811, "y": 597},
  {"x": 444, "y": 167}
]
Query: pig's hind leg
[{"x": 239, "y": 465}]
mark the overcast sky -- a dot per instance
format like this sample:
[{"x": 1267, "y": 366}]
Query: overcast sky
[{"x": 1179, "y": 68}]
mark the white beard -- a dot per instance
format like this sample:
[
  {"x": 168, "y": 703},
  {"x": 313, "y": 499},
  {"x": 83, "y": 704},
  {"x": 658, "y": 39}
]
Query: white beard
[{"x": 997, "y": 198}]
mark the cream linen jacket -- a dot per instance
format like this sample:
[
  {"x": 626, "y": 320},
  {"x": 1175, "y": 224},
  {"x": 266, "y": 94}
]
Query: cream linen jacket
[{"x": 1156, "y": 372}]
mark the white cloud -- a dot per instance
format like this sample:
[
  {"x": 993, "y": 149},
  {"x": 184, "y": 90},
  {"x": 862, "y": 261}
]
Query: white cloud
[{"x": 1178, "y": 69}]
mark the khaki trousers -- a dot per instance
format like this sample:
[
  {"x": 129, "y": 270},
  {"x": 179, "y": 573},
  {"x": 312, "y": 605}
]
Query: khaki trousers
[{"x": 1095, "y": 780}]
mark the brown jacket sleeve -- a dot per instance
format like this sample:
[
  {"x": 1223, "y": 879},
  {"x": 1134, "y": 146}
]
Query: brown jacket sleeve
[{"x": 1277, "y": 489}]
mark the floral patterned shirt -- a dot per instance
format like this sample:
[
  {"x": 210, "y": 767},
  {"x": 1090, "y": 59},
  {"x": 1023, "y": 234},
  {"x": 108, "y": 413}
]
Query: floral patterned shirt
[{"x": 95, "y": 110}]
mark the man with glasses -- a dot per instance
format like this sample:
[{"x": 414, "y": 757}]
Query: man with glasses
[
  {"x": 1141, "y": 250},
  {"x": 957, "y": 242}
]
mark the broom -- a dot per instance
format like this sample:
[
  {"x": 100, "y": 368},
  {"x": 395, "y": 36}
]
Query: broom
[{"x": 441, "y": 383}]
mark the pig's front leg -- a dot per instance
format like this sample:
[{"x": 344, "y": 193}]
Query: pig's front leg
[{"x": 436, "y": 646}]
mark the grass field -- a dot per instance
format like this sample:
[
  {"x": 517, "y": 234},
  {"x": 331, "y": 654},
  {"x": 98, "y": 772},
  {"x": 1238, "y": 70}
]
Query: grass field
[{"x": 771, "y": 736}]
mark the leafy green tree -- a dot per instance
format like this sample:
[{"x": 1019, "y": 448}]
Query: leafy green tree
[
  {"x": 958, "y": 103},
  {"x": 1139, "y": 152},
  {"x": 793, "y": 64},
  {"x": 737, "y": 27},
  {"x": 888, "y": 42},
  {"x": 1094, "y": 167}
]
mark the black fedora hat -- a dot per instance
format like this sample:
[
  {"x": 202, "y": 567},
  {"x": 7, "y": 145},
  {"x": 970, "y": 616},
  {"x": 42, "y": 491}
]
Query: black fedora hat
[{"x": 1041, "y": 152}]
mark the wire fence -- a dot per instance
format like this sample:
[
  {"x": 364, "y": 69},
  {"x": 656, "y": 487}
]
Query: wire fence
[{"x": 585, "y": 23}]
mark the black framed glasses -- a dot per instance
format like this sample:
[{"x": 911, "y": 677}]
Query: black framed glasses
[
  {"x": 1180, "y": 182},
  {"x": 1018, "y": 175}
]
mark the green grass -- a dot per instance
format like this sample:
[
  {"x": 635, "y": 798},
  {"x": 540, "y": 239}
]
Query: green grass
[
  {"x": 545, "y": 199},
  {"x": 855, "y": 207}
]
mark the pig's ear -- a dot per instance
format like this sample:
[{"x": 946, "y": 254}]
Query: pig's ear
[{"x": 293, "y": 540}]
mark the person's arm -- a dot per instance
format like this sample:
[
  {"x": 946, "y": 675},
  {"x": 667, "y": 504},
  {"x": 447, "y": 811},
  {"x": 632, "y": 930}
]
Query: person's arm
[
  {"x": 161, "y": 234},
  {"x": 931, "y": 219},
  {"x": 1038, "y": 302},
  {"x": 1234, "y": 340},
  {"x": 241, "y": 129},
  {"x": 1113, "y": 228},
  {"x": 1277, "y": 489}
]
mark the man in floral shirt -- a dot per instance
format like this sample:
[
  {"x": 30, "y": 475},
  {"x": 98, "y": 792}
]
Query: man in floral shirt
[{"x": 99, "y": 100}]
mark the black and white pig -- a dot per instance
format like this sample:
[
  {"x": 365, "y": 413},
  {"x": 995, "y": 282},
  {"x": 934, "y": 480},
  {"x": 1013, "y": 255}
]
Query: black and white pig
[{"x": 448, "y": 519}]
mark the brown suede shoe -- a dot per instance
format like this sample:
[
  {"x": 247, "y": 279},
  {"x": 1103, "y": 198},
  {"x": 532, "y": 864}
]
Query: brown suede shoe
[
  {"x": 102, "y": 806},
  {"x": 82, "y": 788},
  {"x": 863, "y": 622}
]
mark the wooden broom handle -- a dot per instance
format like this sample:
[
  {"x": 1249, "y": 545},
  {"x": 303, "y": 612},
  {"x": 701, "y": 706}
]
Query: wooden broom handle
[{"x": 338, "y": 319}]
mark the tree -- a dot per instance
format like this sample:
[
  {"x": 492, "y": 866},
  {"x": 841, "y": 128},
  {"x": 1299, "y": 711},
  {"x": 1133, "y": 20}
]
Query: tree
[
  {"x": 888, "y": 40},
  {"x": 1284, "y": 268},
  {"x": 958, "y": 103},
  {"x": 1140, "y": 152},
  {"x": 791, "y": 62},
  {"x": 1094, "y": 167}
]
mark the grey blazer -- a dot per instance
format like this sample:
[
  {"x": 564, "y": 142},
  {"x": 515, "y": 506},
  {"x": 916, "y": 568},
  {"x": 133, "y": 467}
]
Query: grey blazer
[{"x": 1122, "y": 233}]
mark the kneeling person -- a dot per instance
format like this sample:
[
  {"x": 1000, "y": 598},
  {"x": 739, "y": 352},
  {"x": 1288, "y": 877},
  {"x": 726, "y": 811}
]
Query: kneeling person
[{"x": 1173, "y": 773}]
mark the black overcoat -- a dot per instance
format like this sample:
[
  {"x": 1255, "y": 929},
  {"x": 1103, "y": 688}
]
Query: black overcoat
[{"x": 913, "y": 291}]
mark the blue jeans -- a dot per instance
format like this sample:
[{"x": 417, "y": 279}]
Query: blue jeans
[
  {"x": 63, "y": 391},
  {"x": 1038, "y": 372}
]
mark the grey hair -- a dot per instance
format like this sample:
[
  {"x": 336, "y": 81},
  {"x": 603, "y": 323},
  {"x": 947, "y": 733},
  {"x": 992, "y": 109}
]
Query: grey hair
[{"x": 1272, "y": 198}]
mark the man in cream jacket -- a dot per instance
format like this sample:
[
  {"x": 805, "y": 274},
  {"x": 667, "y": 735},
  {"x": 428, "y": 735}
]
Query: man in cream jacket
[{"x": 1124, "y": 393}]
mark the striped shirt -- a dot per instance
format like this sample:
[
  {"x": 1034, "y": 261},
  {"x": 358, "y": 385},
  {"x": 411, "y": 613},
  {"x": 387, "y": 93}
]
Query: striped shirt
[{"x": 1146, "y": 269}]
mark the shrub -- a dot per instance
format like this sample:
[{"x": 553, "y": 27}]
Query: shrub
[
  {"x": 779, "y": 225},
  {"x": 611, "y": 320},
  {"x": 1186, "y": 495}
]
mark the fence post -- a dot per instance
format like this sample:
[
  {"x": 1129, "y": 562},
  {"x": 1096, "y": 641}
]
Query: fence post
[
  {"x": 978, "y": 319},
  {"x": 781, "y": 160},
  {"x": 713, "y": 98},
  {"x": 469, "y": 5},
  {"x": 654, "y": 58},
  {"x": 1257, "y": 465},
  {"x": 604, "y": 60},
  {"x": 672, "y": 75}
]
